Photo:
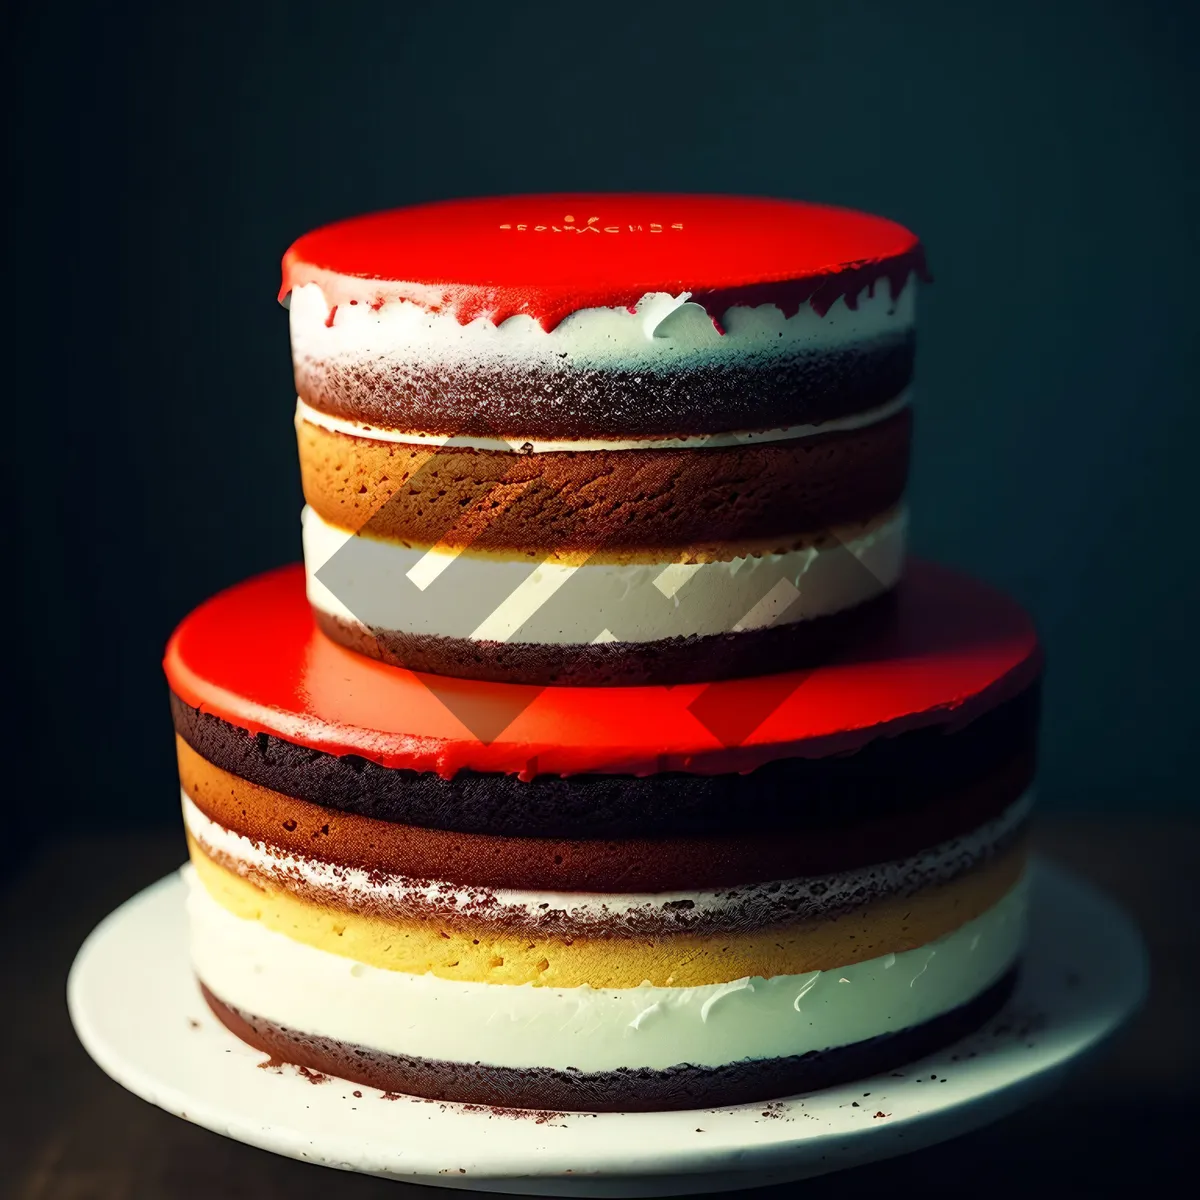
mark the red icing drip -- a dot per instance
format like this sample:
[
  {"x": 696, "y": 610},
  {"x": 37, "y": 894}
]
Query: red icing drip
[
  {"x": 550, "y": 256},
  {"x": 253, "y": 657}
]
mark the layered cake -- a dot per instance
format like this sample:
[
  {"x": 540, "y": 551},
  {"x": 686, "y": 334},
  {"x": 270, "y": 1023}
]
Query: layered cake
[
  {"x": 614, "y": 904},
  {"x": 605, "y": 754},
  {"x": 602, "y": 439}
]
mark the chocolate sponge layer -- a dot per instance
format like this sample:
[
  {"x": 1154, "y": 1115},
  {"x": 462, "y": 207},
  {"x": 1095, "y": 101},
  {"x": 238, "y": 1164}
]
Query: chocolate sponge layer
[
  {"x": 630, "y": 1089},
  {"x": 908, "y": 773},
  {"x": 673, "y": 660},
  {"x": 573, "y": 402}
]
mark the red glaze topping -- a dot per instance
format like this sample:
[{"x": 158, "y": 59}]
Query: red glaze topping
[
  {"x": 550, "y": 256},
  {"x": 253, "y": 657}
]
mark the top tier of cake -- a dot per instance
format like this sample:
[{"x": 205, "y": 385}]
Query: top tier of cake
[
  {"x": 599, "y": 438},
  {"x": 603, "y": 318}
]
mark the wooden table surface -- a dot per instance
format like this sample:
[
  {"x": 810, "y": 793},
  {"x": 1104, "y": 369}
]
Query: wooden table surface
[{"x": 70, "y": 1133}]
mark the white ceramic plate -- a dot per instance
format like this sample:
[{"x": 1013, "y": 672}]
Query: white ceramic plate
[{"x": 139, "y": 1013}]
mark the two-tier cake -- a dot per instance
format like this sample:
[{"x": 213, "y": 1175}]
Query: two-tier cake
[{"x": 604, "y": 755}]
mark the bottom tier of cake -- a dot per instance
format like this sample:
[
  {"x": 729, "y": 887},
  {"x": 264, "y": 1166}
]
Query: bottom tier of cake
[
  {"x": 606, "y": 906},
  {"x": 601, "y": 1049}
]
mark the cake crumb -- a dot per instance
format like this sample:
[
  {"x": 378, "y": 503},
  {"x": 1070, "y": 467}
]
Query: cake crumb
[{"x": 539, "y": 1116}]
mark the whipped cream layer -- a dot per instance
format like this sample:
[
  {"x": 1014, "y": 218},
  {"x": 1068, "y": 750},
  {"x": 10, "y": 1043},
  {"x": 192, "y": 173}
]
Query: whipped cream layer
[
  {"x": 524, "y": 445},
  {"x": 385, "y": 585},
  {"x": 314, "y": 992},
  {"x": 596, "y": 913},
  {"x": 662, "y": 332}
]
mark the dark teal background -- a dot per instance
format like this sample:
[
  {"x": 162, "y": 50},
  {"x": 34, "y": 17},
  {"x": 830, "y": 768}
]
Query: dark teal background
[{"x": 162, "y": 158}]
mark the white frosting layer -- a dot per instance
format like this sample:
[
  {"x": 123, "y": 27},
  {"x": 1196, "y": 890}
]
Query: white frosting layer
[
  {"x": 315, "y": 992},
  {"x": 376, "y": 891},
  {"x": 664, "y": 332},
  {"x": 705, "y": 441},
  {"x": 385, "y": 585}
]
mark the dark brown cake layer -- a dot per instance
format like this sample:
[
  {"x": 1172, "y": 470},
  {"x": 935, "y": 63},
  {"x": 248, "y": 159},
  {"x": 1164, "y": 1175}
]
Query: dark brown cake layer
[
  {"x": 891, "y": 778},
  {"x": 787, "y": 646},
  {"x": 629, "y": 1089},
  {"x": 605, "y": 502},
  {"x": 571, "y": 402}
]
